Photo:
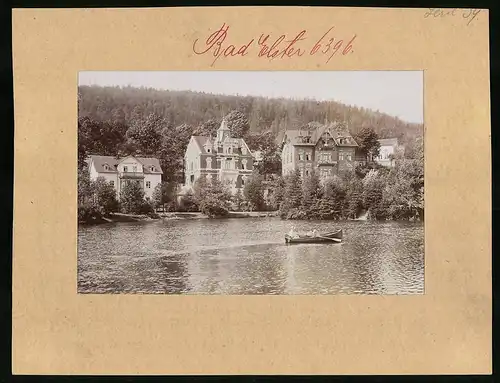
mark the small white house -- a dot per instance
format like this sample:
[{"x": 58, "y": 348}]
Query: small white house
[
  {"x": 388, "y": 149},
  {"x": 117, "y": 171}
]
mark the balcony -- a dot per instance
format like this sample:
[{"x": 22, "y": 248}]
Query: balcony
[{"x": 131, "y": 175}]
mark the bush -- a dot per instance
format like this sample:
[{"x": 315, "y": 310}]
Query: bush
[{"x": 88, "y": 212}]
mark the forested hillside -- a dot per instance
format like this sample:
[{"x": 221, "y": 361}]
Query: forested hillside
[
  {"x": 121, "y": 121},
  {"x": 127, "y": 104}
]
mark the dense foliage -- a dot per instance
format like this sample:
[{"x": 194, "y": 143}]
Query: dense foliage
[
  {"x": 394, "y": 194},
  {"x": 257, "y": 114},
  {"x": 146, "y": 122},
  {"x": 212, "y": 197}
]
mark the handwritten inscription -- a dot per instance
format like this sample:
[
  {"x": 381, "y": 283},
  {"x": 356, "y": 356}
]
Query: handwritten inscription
[
  {"x": 329, "y": 45},
  {"x": 467, "y": 14}
]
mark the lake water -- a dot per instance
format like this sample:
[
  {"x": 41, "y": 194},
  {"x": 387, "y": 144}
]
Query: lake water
[{"x": 249, "y": 256}]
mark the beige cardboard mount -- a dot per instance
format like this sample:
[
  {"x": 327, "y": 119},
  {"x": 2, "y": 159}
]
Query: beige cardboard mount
[{"x": 446, "y": 330}]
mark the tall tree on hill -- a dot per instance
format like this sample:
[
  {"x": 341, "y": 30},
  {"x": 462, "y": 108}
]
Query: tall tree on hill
[
  {"x": 146, "y": 135},
  {"x": 368, "y": 143},
  {"x": 98, "y": 137},
  {"x": 237, "y": 123},
  {"x": 207, "y": 128}
]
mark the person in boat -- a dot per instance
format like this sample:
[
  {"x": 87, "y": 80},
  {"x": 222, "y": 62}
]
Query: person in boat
[
  {"x": 292, "y": 233},
  {"x": 312, "y": 233}
]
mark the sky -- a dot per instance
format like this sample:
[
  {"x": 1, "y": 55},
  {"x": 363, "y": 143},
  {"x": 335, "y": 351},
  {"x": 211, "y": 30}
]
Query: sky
[{"x": 397, "y": 93}]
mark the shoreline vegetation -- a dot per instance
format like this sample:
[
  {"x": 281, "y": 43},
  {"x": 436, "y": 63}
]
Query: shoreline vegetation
[
  {"x": 122, "y": 217},
  {"x": 147, "y": 125}
]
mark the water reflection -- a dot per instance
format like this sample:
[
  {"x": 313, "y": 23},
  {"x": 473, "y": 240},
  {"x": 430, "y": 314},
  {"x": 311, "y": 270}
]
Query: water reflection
[{"x": 248, "y": 256}]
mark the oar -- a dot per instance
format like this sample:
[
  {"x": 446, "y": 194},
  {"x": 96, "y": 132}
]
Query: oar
[{"x": 332, "y": 239}]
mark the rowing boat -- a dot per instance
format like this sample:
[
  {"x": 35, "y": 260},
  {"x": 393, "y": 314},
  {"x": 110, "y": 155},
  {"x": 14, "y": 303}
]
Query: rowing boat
[{"x": 331, "y": 237}]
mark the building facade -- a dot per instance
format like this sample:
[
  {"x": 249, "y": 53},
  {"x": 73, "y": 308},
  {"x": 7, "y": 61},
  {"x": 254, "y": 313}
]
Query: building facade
[
  {"x": 223, "y": 157},
  {"x": 118, "y": 171},
  {"x": 328, "y": 150},
  {"x": 389, "y": 148}
]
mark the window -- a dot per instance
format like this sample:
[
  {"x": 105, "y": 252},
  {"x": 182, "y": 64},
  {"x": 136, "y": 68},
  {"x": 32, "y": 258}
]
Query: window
[
  {"x": 209, "y": 163},
  {"x": 125, "y": 169},
  {"x": 208, "y": 150},
  {"x": 152, "y": 168},
  {"x": 112, "y": 183},
  {"x": 148, "y": 184},
  {"x": 192, "y": 178},
  {"x": 341, "y": 156},
  {"x": 242, "y": 181},
  {"x": 134, "y": 168},
  {"x": 106, "y": 167},
  {"x": 301, "y": 156},
  {"x": 244, "y": 164},
  {"x": 307, "y": 172},
  {"x": 308, "y": 156},
  {"x": 349, "y": 158},
  {"x": 243, "y": 150}
]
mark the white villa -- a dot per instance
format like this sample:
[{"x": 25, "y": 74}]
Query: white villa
[
  {"x": 118, "y": 171},
  {"x": 389, "y": 147},
  {"x": 224, "y": 157}
]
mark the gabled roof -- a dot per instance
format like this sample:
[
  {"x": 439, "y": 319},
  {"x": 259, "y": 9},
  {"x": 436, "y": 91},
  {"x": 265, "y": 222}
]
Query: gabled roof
[
  {"x": 100, "y": 162},
  {"x": 337, "y": 132},
  {"x": 201, "y": 141}
]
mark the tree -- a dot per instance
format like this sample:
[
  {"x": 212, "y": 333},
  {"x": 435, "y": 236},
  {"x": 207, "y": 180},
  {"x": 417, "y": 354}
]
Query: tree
[
  {"x": 373, "y": 186},
  {"x": 354, "y": 197},
  {"x": 254, "y": 191},
  {"x": 278, "y": 191},
  {"x": 207, "y": 128},
  {"x": 105, "y": 196},
  {"x": 132, "y": 197},
  {"x": 367, "y": 141},
  {"x": 237, "y": 123},
  {"x": 188, "y": 203},
  {"x": 311, "y": 192},
  {"x": 213, "y": 198},
  {"x": 238, "y": 199},
  {"x": 85, "y": 186},
  {"x": 163, "y": 194},
  {"x": 145, "y": 135},
  {"x": 292, "y": 199}
]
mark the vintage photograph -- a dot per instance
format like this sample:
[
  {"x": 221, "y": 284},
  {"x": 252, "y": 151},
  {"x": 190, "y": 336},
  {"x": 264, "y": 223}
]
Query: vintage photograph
[{"x": 251, "y": 182}]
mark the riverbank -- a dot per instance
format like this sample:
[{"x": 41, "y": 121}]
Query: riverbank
[
  {"x": 121, "y": 217},
  {"x": 231, "y": 214}
]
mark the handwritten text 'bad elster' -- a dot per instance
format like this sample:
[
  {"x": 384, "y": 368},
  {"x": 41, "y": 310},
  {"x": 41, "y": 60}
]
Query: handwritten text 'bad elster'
[{"x": 281, "y": 47}]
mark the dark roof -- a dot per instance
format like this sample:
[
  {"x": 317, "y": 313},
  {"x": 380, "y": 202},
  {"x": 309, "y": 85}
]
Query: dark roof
[
  {"x": 337, "y": 131},
  {"x": 112, "y": 162}
]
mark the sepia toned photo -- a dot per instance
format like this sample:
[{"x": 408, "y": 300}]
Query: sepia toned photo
[{"x": 251, "y": 183}]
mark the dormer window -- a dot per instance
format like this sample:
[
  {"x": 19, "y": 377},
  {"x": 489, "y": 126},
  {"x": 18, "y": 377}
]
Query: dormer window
[
  {"x": 106, "y": 167},
  {"x": 152, "y": 168},
  {"x": 208, "y": 150}
]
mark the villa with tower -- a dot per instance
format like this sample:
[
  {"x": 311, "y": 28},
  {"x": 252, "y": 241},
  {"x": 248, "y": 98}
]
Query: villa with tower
[{"x": 221, "y": 157}]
